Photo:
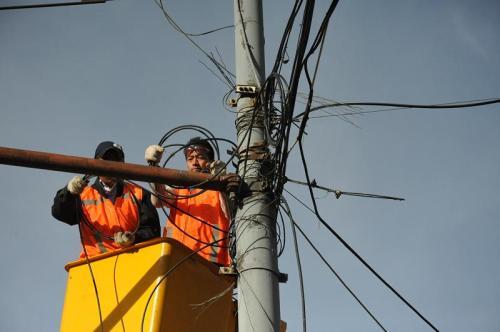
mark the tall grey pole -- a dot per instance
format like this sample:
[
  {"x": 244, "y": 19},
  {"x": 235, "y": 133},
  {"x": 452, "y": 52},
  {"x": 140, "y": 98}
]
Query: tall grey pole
[{"x": 256, "y": 252}]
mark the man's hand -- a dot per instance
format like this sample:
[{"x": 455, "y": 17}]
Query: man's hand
[
  {"x": 153, "y": 154},
  {"x": 231, "y": 182},
  {"x": 217, "y": 167},
  {"x": 124, "y": 239},
  {"x": 76, "y": 185}
]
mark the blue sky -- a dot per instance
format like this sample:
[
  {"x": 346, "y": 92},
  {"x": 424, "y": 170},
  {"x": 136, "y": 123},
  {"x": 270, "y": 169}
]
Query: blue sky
[{"x": 72, "y": 77}]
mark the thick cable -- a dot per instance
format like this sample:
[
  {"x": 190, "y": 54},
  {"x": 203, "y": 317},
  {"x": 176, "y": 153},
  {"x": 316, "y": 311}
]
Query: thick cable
[
  {"x": 482, "y": 102},
  {"x": 350, "y": 249},
  {"x": 339, "y": 278}
]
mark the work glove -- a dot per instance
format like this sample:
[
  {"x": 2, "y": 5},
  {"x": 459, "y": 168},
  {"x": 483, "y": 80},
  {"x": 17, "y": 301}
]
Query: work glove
[
  {"x": 217, "y": 167},
  {"x": 76, "y": 185},
  {"x": 153, "y": 154},
  {"x": 124, "y": 239}
]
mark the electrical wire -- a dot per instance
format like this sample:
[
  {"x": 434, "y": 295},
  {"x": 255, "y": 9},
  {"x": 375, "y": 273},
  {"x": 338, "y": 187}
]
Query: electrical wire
[
  {"x": 170, "y": 271},
  {"x": 209, "y": 31},
  {"x": 115, "y": 288},
  {"x": 175, "y": 207},
  {"x": 339, "y": 278},
  {"x": 350, "y": 249},
  {"x": 177, "y": 28},
  {"x": 87, "y": 261},
  {"x": 401, "y": 106},
  {"x": 56, "y": 4},
  {"x": 339, "y": 192},
  {"x": 281, "y": 233},
  {"x": 286, "y": 208}
]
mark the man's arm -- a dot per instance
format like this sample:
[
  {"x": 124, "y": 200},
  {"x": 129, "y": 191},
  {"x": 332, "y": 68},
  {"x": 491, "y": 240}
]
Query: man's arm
[
  {"x": 67, "y": 207},
  {"x": 149, "y": 222},
  {"x": 163, "y": 196}
]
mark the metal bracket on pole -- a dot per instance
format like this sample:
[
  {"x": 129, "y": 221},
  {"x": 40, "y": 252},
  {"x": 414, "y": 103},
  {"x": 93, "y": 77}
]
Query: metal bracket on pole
[
  {"x": 247, "y": 89},
  {"x": 228, "y": 270}
]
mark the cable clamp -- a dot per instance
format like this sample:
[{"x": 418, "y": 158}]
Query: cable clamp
[{"x": 282, "y": 278}]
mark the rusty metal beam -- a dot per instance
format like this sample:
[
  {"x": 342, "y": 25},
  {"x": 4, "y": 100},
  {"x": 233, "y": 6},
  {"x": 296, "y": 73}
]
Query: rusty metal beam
[{"x": 80, "y": 165}]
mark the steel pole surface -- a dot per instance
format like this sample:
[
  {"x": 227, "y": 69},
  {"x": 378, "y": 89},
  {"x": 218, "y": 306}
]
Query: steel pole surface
[
  {"x": 256, "y": 252},
  {"x": 80, "y": 165}
]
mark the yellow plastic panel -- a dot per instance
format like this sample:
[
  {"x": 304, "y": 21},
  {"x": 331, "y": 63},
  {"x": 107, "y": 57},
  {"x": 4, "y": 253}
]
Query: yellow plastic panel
[{"x": 192, "y": 298}]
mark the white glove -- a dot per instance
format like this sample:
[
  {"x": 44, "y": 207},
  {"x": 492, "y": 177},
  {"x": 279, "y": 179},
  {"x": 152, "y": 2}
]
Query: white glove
[
  {"x": 124, "y": 239},
  {"x": 217, "y": 167},
  {"x": 153, "y": 154},
  {"x": 76, "y": 185}
]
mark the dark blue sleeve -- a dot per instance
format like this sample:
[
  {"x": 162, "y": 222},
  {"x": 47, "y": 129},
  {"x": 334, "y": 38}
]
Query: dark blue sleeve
[
  {"x": 149, "y": 226},
  {"x": 67, "y": 207}
]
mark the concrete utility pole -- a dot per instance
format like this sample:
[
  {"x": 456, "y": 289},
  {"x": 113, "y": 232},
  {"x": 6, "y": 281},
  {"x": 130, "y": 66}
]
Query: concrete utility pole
[{"x": 258, "y": 293}]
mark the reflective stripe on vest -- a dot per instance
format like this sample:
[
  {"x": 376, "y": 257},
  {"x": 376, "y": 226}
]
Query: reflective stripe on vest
[
  {"x": 92, "y": 201},
  {"x": 105, "y": 218}
]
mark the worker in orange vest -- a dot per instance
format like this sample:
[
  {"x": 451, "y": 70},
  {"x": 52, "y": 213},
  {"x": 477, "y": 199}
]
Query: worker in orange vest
[
  {"x": 111, "y": 214},
  {"x": 199, "y": 219}
]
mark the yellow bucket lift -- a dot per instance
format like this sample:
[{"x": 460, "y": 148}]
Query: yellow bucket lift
[{"x": 158, "y": 285}]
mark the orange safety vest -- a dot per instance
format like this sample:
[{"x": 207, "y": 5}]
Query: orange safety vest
[
  {"x": 102, "y": 218},
  {"x": 195, "y": 234}
]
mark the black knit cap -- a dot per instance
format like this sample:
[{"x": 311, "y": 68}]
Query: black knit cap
[
  {"x": 200, "y": 142},
  {"x": 105, "y": 147}
]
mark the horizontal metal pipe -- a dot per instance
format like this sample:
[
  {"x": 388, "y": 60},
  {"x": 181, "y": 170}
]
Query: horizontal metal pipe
[{"x": 80, "y": 165}]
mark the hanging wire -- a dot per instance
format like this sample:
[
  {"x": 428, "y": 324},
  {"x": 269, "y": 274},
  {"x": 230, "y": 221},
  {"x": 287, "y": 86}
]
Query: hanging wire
[
  {"x": 339, "y": 192},
  {"x": 350, "y": 249},
  {"x": 175, "y": 207},
  {"x": 168, "y": 273},
  {"x": 286, "y": 208},
  {"x": 339, "y": 278},
  {"x": 176, "y": 27},
  {"x": 81, "y": 216},
  {"x": 399, "y": 106}
]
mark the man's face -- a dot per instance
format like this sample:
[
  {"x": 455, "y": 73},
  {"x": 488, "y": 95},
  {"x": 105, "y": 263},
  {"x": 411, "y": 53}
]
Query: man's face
[
  {"x": 197, "y": 161},
  {"x": 111, "y": 155}
]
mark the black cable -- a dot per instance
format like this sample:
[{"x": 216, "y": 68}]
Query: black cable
[
  {"x": 117, "y": 298},
  {"x": 339, "y": 193},
  {"x": 56, "y": 4},
  {"x": 318, "y": 41},
  {"x": 174, "y": 206},
  {"x": 299, "y": 266},
  {"x": 176, "y": 27},
  {"x": 350, "y": 249},
  {"x": 481, "y": 102},
  {"x": 255, "y": 219},
  {"x": 293, "y": 85},
  {"x": 87, "y": 261},
  {"x": 210, "y": 138},
  {"x": 339, "y": 278},
  {"x": 217, "y": 76},
  {"x": 209, "y": 31},
  {"x": 281, "y": 234}
]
